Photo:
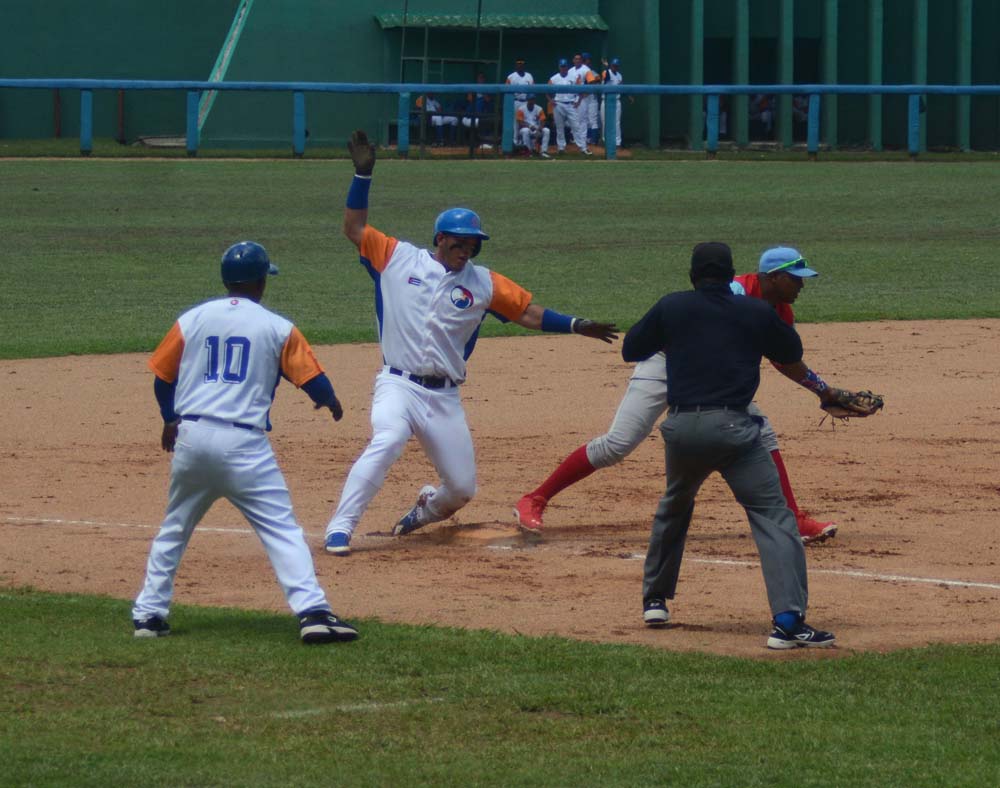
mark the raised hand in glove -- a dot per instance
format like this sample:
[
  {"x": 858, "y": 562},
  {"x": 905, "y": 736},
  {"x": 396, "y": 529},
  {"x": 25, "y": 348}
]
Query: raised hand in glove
[
  {"x": 362, "y": 153},
  {"x": 845, "y": 404},
  {"x": 590, "y": 328}
]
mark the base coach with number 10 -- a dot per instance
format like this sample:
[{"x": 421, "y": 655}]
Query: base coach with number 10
[
  {"x": 216, "y": 373},
  {"x": 714, "y": 342}
]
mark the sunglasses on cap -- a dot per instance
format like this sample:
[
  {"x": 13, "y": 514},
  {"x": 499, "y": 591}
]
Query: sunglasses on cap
[{"x": 791, "y": 265}]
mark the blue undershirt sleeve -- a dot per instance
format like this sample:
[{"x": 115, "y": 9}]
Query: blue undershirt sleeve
[
  {"x": 319, "y": 389},
  {"x": 165, "y": 397}
]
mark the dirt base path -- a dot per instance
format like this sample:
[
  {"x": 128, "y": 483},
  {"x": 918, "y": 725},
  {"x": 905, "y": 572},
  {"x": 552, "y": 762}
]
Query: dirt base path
[{"x": 916, "y": 492}]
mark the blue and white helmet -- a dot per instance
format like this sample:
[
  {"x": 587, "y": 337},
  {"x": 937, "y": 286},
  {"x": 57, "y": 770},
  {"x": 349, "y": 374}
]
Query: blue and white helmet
[{"x": 463, "y": 223}]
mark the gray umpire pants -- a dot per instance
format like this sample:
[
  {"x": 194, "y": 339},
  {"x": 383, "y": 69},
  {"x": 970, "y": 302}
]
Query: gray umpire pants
[{"x": 728, "y": 441}]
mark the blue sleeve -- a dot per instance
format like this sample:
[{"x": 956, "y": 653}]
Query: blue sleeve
[
  {"x": 165, "y": 397},
  {"x": 319, "y": 389}
]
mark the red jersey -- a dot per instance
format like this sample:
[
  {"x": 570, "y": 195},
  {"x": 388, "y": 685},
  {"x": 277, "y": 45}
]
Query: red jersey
[{"x": 751, "y": 283}]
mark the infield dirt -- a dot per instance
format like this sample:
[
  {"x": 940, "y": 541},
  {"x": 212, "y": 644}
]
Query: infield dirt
[{"x": 915, "y": 490}]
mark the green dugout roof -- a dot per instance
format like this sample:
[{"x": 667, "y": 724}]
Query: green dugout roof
[{"x": 496, "y": 21}]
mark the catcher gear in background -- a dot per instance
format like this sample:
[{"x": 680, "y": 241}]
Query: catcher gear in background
[
  {"x": 844, "y": 404},
  {"x": 463, "y": 223},
  {"x": 246, "y": 261}
]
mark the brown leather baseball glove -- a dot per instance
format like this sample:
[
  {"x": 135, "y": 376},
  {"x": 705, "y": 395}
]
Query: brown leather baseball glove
[{"x": 844, "y": 404}]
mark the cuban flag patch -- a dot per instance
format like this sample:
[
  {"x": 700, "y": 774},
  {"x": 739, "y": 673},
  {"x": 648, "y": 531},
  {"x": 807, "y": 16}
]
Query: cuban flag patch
[{"x": 413, "y": 280}]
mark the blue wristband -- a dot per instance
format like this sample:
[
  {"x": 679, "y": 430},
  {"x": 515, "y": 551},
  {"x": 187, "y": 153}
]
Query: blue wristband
[
  {"x": 556, "y": 323},
  {"x": 813, "y": 382},
  {"x": 357, "y": 196}
]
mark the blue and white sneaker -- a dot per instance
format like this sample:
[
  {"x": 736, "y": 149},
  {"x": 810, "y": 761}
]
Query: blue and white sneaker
[
  {"x": 655, "y": 613},
  {"x": 338, "y": 543},
  {"x": 152, "y": 627},
  {"x": 418, "y": 516},
  {"x": 802, "y": 636}
]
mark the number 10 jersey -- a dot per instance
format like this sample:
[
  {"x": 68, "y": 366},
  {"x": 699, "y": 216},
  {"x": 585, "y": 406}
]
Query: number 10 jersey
[{"x": 227, "y": 356}]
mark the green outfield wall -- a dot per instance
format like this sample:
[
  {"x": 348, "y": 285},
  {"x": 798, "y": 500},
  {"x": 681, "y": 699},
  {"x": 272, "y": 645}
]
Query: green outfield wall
[{"x": 659, "y": 42}]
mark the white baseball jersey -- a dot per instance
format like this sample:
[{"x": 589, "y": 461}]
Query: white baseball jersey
[
  {"x": 531, "y": 117},
  {"x": 520, "y": 79},
  {"x": 559, "y": 79},
  {"x": 226, "y": 356},
  {"x": 429, "y": 316},
  {"x": 613, "y": 78}
]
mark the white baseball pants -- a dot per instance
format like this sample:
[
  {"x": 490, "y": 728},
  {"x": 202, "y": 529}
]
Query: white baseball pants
[
  {"x": 618, "y": 119},
  {"x": 213, "y": 459},
  {"x": 529, "y": 138},
  {"x": 401, "y": 408},
  {"x": 645, "y": 401},
  {"x": 565, "y": 115}
]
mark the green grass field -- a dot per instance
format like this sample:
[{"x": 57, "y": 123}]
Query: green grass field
[
  {"x": 102, "y": 255},
  {"x": 230, "y": 698}
]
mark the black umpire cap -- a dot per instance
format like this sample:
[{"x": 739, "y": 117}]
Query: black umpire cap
[{"x": 712, "y": 260}]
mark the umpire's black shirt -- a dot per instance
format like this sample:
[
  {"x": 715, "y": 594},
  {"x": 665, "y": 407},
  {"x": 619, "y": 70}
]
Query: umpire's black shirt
[{"x": 714, "y": 341}]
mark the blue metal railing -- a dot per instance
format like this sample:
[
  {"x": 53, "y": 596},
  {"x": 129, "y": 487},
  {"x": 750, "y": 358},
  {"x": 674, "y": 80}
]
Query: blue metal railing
[{"x": 405, "y": 91}]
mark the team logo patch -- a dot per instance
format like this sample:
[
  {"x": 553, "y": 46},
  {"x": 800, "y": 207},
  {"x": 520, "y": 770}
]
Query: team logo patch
[
  {"x": 414, "y": 281},
  {"x": 461, "y": 297}
]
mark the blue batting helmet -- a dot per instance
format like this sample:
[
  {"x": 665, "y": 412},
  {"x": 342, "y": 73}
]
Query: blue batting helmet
[
  {"x": 463, "y": 223},
  {"x": 246, "y": 262}
]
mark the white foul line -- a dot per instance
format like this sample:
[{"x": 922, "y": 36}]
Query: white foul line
[
  {"x": 634, "y": 556},
  {"x": 53, "y": 521},
  {"x": 849, "y": 573}
]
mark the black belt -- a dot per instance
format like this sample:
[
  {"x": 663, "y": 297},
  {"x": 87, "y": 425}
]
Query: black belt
[
  {"x": 427, "y": 381},
  {"x": 702, "y": 408},
  {"x": 234, "y": 423}
]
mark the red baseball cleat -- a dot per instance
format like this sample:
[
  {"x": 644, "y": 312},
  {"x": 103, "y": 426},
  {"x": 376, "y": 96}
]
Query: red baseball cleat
[
  {"x": 528, "y": 512},
  {"x": 813, "y": 530}
]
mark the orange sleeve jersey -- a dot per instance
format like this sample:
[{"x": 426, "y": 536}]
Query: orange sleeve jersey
[
  {"x": 165, "y": 362},
  {"x": 376, "y": 248},
  {"x": 509, "y": 298},
  {"x": 298, "y": 362}
]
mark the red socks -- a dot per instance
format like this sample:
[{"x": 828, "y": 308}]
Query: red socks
[
  {"x": 786, "y": 486},
  {"x": 570, "y": 471}
]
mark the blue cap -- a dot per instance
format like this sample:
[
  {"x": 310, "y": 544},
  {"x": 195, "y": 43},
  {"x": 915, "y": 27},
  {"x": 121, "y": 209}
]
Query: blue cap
[
  {"x": 785, "y": 259},
  {"x": 615, "y": 61},
  {"x": 246, "y": 261},
  {"x": 563, "y": 62}
]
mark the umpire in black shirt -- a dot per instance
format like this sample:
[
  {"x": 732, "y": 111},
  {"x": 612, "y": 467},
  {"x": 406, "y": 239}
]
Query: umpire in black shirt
[{"x": 714, "y": 341}]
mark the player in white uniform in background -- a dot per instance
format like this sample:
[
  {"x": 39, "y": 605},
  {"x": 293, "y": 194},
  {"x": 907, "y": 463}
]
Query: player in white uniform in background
[
  {"x": 531, "y": 129},
  {"x": 613, "y": 76},
  {"x": 564, "y": 105},
  {"x": 590, "y": 102},
  {"x": 216, "y": 373},
  {"x": 578, "y": 73},
  {"x": 429, "y": 306},
  {"x": 520, "y": 77}
]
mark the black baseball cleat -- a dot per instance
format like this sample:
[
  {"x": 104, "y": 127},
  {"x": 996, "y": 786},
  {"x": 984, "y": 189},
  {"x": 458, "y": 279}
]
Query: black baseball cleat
[
  {"x": 322, "y": 626},
  {"x": 655, "y": 612},
  {"x": 152, "y": 627},
  {"x": 803, "y": 636}
]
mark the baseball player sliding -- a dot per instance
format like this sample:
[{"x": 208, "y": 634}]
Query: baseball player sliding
[
  {"x": 429, "y": 305},
  {"x": 216, "y": 373},
  {"x": 779, "y": 281}
]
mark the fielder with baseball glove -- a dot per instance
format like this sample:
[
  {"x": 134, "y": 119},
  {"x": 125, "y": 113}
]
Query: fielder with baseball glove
[{"x": 844, "y": 404}]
